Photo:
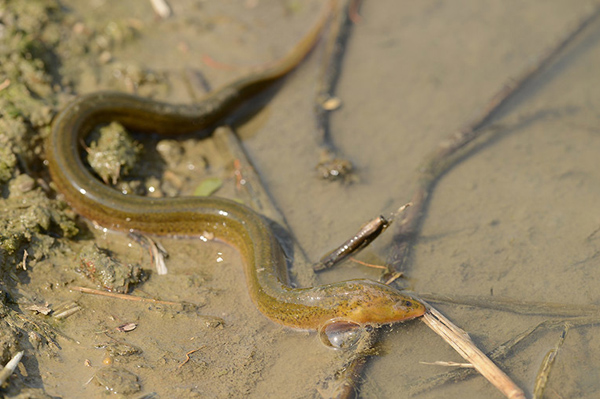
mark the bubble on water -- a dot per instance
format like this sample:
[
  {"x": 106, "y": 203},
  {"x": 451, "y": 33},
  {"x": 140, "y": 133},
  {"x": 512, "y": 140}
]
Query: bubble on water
[{"x": 340, "y": 334}]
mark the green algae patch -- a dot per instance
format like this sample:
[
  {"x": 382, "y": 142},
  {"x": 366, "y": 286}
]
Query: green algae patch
[{"x": 28, "y": 99}]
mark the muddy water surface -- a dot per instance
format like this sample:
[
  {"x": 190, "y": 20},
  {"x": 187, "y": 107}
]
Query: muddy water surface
[{"x": 516, "y": 219}]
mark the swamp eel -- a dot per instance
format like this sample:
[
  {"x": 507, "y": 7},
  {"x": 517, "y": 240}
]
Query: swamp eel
[{"x": 359, "y": 301}]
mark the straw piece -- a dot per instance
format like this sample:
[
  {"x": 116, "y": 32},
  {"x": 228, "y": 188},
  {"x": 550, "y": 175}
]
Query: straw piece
[
  {"x": 156, "y": 250},
  {"x": 461, "y": 342},
  {"x": 10, "y": 367},
  {"x": 449, "y": 364}
]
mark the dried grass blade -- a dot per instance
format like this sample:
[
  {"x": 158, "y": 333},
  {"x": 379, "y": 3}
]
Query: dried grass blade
[{"x": 461, "y": 342}]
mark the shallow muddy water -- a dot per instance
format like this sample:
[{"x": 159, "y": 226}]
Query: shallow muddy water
[{"x": 518, "y": 218}]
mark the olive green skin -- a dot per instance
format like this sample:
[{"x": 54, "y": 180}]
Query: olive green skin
[{"x": 359, "y": 301}]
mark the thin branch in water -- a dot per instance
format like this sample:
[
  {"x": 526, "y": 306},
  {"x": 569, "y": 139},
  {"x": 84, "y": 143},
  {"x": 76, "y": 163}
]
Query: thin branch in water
[
  {"x": 353, "y": 11},
  {"x": 516, "y": 306},
  {"x": 256, "y": 196},
  {"x": 345, "y": 382},
  {"x": 331, "y": 166},
  {"x": 445, "y": 156},
  {"x": 367, "y": 233}
]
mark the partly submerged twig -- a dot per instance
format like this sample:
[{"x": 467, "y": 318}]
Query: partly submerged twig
[
  {"x": 461, "y": 342},
  {"x": 353, "y": 11},
  {"x": 194, "y": 79},
  {"x": 448, "y": 152},
  {"x": 367, "y": 233},
  {"x": 10, "y": 367},
  {"x": 257, "y": 197},
  {"x": 330, "y": 165},
  {"x": 345, "y": 382}
]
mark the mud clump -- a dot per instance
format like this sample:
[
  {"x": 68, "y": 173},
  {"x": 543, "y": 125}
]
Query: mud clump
[{"x": 100, "y": 266}]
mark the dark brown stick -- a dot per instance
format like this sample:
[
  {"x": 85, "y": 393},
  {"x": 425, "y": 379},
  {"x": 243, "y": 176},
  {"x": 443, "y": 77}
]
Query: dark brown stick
[
  {"x": 334, "y": 54},
  {"x": 345, "y": 382},
  {"x": 335, "y": 49}
]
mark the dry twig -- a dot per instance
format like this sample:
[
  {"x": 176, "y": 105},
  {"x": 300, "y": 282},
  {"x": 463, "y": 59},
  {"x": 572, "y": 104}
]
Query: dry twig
[
  {"x": 461, "y": 342},
  {"x": 448, "y": 364}
]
